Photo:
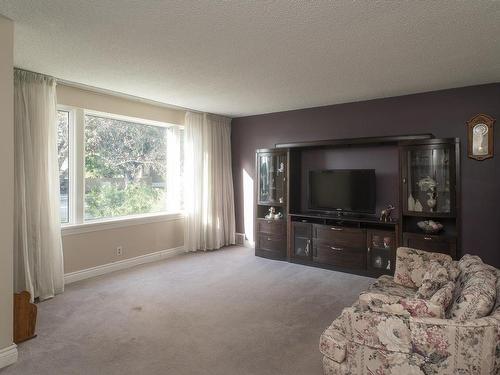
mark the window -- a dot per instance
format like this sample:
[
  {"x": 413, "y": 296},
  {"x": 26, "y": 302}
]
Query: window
[
  {"x": 124, "y": 166},
  {"x": 63, "y": 156}
]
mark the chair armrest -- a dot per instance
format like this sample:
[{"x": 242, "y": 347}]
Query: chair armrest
[
  {"x": 377, "y": 329},
  {"x": 469, "y": 347},
  {"x": 333, "y": 344}
]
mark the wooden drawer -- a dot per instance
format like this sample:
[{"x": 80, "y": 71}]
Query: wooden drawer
[
  {"x": 326, "y": 253},
  {"x": 340, "y": 236},
  {"x": 271, "y": 243},
  {"x": 274, "y": 227},
  {"x": 433, "y": 243}
]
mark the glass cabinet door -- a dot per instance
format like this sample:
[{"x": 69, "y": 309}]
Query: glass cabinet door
[
  {"x": 428, "y": 189},
  {"x": 272, "y": 172},
  {"x": 301, "y": 240},
  {"x": 381, "y": 250}
]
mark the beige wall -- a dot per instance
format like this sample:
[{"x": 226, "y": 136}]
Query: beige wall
[
  {"x": 77, "y": 97},
  {"x": 95, "y": 248},
  {"x": 90, "y": 249},
  {"x": 7, "y": 180}
]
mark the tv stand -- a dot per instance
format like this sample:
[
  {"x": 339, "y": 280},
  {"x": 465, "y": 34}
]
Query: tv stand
[
  {"x": 343, "y": 243},
  {"x": 361, "y": 244}
]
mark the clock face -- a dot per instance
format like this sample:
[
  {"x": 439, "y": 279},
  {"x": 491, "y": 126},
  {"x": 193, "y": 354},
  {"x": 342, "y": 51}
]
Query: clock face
[
  {"x": 480, "y": 129},
  {"x": 480, "y": 139}
]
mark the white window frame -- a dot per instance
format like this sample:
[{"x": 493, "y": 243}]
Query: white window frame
[{"x": 76, "y": 191}]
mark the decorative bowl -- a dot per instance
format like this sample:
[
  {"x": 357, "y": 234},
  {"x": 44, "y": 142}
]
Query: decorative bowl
[{"x": 430, "y": 226}]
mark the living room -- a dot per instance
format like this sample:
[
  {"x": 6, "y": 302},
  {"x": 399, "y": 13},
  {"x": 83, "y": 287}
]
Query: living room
[{"x": 250, "y": 187}]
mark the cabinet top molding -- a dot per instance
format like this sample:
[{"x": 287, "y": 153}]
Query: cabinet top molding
[{"x": 391, "y": 139}]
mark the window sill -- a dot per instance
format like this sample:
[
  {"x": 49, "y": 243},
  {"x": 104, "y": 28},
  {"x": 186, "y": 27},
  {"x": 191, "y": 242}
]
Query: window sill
[{"x": 93, "y": 226}]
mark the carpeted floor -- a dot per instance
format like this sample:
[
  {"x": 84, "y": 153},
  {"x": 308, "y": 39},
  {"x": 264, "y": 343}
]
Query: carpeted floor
[{"x": 217, "y": 313}]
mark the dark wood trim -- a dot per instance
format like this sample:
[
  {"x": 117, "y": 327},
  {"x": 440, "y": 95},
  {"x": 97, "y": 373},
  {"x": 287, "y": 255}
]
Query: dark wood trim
[
  {"x": 392, "y": 139},
  {"x": 489, "y": 122},
  {"x": 346, "y": 218},
  {"x": 433, "y": 141},
  {"x": 458, "y": 199}
]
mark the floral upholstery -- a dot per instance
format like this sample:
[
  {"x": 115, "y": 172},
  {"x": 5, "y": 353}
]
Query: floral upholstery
[
  {"x": 383, "y": 333},
  {"x": 444, "y": 296},
  {"x": 402, "y": 306},
  {"x": 412, "y": 264},
  {"x": 476, "y": 289},
  {"x": 387, "y": 286},
  {"x": 434, "y": 279}
]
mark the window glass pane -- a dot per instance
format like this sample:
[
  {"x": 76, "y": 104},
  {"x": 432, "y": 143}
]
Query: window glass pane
[
  {"x": 63, "y": 156},
  {"x": 125, "y": 168}
]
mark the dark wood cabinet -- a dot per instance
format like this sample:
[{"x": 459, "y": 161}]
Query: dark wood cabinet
[
  {"x": 381, "y": 250},
  {"x": 427, "y": 242},
  {"x": 430, "y": 190},
  {"x": 339, "y": 246},
  {"x": 271, "y": 238},
  {"x": 271, "y": 194}
]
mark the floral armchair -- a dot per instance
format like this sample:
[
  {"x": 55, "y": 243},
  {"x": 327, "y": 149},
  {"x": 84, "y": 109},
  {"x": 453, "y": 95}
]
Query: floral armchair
[{"x": 436, "y": 316}]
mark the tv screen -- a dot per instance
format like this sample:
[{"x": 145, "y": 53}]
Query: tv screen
[{"x": 350, "y": 190}]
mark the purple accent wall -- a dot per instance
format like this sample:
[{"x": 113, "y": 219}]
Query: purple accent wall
[{"x": 442, "y": 113}]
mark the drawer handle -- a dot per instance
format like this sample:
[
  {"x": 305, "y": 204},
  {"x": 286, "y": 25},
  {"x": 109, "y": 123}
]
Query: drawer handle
[
  {"x": 427, "y": 238},
  {"x": 336, "y": 248},
  {"x": 337, "y": 229}
]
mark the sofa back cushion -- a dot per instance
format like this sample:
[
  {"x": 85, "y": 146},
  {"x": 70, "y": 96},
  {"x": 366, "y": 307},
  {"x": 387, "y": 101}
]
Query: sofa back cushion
[
  {"x": 412, "y": 264},
  {"x": 476, "y": 289},
  {"x": 434, "y": 279}
]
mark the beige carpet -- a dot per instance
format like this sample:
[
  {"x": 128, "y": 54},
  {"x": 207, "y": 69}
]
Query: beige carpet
[{"x": 222, "y": 312}]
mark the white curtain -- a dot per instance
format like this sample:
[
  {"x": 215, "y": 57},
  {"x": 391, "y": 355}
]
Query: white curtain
[
  {"x": 38, "y": 258},
  {"x": 209, "y": 196},
  {"x": 174, "y": 180}
]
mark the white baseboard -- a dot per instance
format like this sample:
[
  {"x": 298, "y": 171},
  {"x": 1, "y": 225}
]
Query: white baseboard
[
  {"x": 72, "y": 277},
  {"x": 8, "y": 356}
]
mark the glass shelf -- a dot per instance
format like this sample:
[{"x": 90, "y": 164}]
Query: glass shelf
[
  {"x": 272, "y": 181},
  {"x": 428, "y": 174}
]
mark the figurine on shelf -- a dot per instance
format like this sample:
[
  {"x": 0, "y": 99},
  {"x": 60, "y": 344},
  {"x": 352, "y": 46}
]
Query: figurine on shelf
[
  {"x": 385, "y": 215},
  {"x": 411, "y": 203},
  {"x": 273, "y": 215},
  {"x": 431, "y": 202},
  {"x": 418, "y": 206}
]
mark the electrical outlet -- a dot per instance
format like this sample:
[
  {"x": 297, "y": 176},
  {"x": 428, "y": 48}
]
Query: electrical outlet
[{"x": 119, "y": 251}]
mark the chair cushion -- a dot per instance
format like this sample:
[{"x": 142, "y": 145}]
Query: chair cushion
[
  {"x": 444, "y": 296},
  {"x": 475, "y": 293},
  {"x": 411, "y": 265},
  {"x": 434, "y": 279}
]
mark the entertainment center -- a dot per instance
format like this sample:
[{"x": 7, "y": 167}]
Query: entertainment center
[{"x": 318, "y": 203}]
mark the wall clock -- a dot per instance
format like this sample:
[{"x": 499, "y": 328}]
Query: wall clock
[{"x": 480, "y": 137}]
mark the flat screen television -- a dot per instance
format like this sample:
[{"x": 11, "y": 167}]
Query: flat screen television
[{"x": 345, "y": 190}]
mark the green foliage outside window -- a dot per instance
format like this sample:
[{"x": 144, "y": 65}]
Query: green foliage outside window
[
  {"x": 125, "y": 167},
  {"x": 111, "y": 200}
]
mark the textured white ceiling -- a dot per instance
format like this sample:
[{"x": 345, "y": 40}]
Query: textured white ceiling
[{"x": 248, "y": 57}]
